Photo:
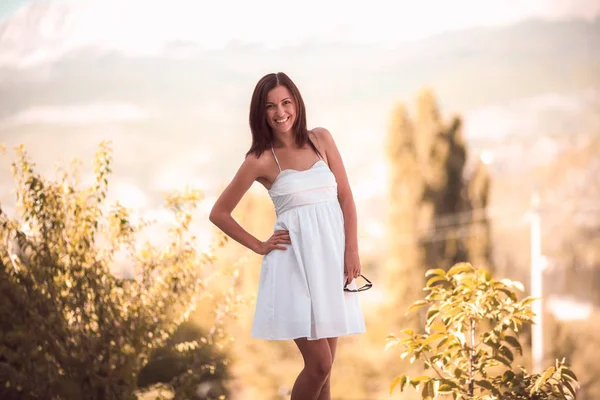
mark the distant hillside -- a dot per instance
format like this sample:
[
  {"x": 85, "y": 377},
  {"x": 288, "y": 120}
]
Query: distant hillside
[{"x": 468, "y": 69}]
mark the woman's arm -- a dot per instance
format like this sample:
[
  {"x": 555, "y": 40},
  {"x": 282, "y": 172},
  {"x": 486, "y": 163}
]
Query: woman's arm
[
  {"x": 220, "y": 215},
  {"x": 346, "y": 199}
]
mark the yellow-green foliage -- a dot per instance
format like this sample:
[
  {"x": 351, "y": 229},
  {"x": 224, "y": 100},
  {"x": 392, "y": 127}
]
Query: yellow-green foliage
[
  {"x": 71, "y": 328},
  {"x": 471, "y": 332}
]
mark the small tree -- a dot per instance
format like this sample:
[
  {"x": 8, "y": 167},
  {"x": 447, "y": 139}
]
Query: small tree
[
  {"x": 71, "y": 327},
  {"x": 471, "y": 331}
]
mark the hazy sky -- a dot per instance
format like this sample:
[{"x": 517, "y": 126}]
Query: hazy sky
[{"x": 288, "y": 22}]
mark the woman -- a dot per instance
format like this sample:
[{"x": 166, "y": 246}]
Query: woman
[{"x": 313, "y": 253}]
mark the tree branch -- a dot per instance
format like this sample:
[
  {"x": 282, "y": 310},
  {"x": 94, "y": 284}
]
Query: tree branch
[
  {"x": 434, "y": 367},
  {"x": 472, "y": 359}
]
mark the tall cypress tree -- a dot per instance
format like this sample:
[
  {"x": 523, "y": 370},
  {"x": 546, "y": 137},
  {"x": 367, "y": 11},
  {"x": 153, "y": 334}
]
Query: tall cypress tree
[{"x": 431, "y": 220}]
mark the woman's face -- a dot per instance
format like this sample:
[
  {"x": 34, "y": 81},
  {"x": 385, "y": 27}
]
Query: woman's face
[{"x": 281, "y": 109}]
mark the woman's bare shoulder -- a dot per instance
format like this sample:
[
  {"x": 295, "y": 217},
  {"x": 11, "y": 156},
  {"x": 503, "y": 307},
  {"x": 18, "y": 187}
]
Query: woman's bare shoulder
[
  {"x": 321, "y": 133},
  {"x": 323, "y": 136},
  {"x": 257, "y": 164}
]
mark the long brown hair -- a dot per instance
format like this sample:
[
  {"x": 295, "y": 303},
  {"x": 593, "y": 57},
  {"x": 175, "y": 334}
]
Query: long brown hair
[{"x": 262, "y": 134}]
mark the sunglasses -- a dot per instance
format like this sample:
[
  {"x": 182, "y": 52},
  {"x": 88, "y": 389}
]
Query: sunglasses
[{"x": 367, "y": 286}]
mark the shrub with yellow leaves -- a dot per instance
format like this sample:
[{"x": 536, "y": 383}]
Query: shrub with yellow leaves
[
  {"x": 71, "y": 328},
  {"x": 471, "y": 333}
]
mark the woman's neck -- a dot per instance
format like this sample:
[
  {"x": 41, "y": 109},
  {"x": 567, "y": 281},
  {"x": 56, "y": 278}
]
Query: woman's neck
[{"x": 286, "y": 139}]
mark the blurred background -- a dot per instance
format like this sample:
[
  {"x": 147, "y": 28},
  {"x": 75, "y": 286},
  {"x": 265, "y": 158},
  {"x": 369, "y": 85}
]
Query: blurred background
[{"x": 469, "y": 130}]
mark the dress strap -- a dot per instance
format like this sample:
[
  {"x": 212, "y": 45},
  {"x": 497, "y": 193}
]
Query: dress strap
[{"x": 276, "y": 160}]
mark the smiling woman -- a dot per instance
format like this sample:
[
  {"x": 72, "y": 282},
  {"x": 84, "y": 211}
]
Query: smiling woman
[{"x": 307, "y": 290}]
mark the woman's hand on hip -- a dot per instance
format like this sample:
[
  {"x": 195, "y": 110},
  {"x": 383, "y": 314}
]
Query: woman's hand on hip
[{"x": 275, "y": 242}]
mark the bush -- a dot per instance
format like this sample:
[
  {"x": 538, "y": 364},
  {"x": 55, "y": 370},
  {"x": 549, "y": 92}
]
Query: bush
[
  {"x": 471, "y": 331},
  {"x": 71, "y": 329}
]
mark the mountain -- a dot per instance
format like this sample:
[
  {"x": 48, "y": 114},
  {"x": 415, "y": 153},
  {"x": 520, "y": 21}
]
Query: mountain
[
  {"x": 43, "y": 31},
  {"x": 40, "y": 54},
  {"x": 190, "y": 89}
]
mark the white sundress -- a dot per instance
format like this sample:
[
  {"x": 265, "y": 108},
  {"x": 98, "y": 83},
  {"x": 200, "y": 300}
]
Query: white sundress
[{"x": 300, "y": 292}]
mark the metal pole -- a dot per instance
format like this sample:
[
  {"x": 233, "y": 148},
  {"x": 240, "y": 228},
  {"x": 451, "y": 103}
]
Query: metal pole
[{"x": 537, "y": 332}]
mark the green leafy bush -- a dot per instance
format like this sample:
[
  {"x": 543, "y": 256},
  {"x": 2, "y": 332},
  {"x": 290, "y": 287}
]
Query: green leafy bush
[
  {"x": 71, "y": 328},
  {"x": 471, "y": 334}
]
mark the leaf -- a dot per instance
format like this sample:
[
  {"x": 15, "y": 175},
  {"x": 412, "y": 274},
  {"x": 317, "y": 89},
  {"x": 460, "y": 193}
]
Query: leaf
[
  {"x": 408, "y": 331},
  {"x": 428, "y": 390},
  {"x": 433, "y": 338},
  {"x": 437, "y": 271},
  {"x": 568, "y": 385},
  {"x": 487, "y": 275},
  {"x": 442, "y": 343},
  {"x": 434, "y": 280},
  {"x": 561, "y": 392},
  {"x": 431, "y": 315},
  {"x": 524, "y": 318},
  {"x": 508, "y": 376},
  {"x": 514, "y": 342},
  {"x": 569, "y": 373},
  {"x": 511, "y": 295},
  {"x": 419, "y": 379},
  {"x": 391, "y": 343},
  {"x": 417, "y": 304},
  {"x": 529, "y": 299},
  {"x": 444, "y": 389},
  {"x": 542, "y": 380},
  {"x": 437, "y": 326},
  {"x": 513, "y": 284},
  {"x": 460, "y": 268},
  {"x": 485, "y": 384},
  {"x": 400, "y": 379},
  {"x": 502, "y": 360},
  {"x": 505, "y": 351}
]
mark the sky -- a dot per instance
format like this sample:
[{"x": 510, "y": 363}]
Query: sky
[{"x": 264, "y": 21}]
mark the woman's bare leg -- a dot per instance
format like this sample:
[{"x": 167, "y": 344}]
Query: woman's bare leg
[
  {"x": 317, "y": 366},
  {"x": 326, "y": 389}
]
